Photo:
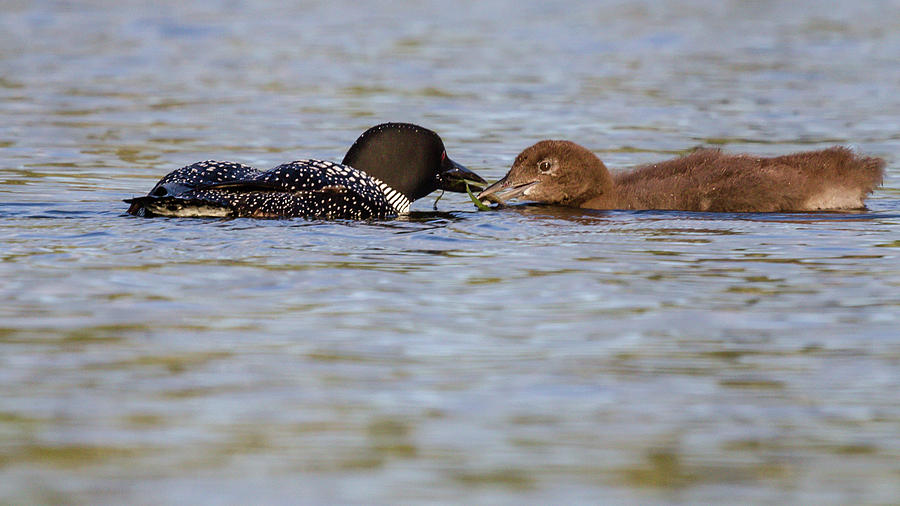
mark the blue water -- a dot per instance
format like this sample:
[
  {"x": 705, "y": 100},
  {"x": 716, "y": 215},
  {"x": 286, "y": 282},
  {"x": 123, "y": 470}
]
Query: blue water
[{"x": 531, "y": 355}]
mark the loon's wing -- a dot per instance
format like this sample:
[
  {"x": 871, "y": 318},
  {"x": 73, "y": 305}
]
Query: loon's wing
[
  {"x": 312, "y": 188},
  {"x": 209, "y": 172},
  {"x": 304, "y": 176}
]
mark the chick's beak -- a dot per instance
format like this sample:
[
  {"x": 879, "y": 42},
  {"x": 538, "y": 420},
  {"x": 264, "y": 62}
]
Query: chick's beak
[
  {"x": 455, "y": 178},
  {"x": 505, "y": 189}
]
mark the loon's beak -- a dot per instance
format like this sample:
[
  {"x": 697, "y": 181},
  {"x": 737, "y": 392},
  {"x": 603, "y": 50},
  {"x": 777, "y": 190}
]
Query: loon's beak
[
  {"x": 455, "y": 178},
  {"x": 504, "y": 190}
]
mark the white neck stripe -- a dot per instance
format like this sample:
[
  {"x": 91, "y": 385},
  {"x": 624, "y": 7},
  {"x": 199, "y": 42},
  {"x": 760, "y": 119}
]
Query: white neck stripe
[{"x": 396, "y": 199}]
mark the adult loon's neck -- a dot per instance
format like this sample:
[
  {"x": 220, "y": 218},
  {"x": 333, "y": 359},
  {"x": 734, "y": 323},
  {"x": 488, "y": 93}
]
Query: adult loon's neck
[{"x": 397, "y": 200}]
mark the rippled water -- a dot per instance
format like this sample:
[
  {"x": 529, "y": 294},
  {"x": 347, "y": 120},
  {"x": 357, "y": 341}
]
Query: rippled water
[{"x": 536, "y": 354}]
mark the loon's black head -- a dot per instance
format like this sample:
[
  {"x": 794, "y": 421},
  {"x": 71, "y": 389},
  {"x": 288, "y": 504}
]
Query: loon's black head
[{"x": 409, "y": 159}]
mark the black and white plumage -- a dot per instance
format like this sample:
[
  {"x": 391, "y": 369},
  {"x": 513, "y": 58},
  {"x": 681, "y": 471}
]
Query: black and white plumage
[
  {"x": 392, "y": 165},
  {"x": 309, "y": 188}
]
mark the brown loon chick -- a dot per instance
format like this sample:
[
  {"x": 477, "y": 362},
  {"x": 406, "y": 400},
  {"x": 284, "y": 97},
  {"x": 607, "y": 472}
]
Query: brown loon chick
[{"x": 564, "y": 173}]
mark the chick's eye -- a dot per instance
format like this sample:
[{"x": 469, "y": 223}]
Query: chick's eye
[{"x": 544, "y": 166}]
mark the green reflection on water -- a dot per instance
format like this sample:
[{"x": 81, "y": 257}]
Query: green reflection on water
[{"x": 662, "y": 468}]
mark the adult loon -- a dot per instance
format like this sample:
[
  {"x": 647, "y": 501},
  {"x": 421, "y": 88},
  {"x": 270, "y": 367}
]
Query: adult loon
[
  {"x": 564, "y": 173},
  {"x": 386, "y": 169}
]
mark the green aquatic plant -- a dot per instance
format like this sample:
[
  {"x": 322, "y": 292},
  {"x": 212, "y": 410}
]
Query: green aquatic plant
[
  {"x": 479, "y": 204},
  {"x": 434, "y": 207}
]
